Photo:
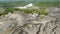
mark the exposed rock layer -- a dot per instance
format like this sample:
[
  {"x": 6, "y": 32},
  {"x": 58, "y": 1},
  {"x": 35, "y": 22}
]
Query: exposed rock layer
[{"x": 19, "y": 23}]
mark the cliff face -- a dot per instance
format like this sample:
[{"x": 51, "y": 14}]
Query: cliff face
[{"x": 19, "y": 23}]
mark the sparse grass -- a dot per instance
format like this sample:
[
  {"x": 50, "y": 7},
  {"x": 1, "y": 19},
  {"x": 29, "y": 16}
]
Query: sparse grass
[
  {"x": 7, "y": 10},
  {"x": 27, "y": 11},
  {"x": 43, "y": 12}
]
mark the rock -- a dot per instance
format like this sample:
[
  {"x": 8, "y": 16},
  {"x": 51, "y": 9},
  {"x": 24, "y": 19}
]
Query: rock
[
  {"x": 32, "y": 16},
  {"x": 18, "y": 23}
]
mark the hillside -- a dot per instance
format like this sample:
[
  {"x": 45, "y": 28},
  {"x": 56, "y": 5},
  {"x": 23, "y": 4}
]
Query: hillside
[{"x": 30, "y": 17}]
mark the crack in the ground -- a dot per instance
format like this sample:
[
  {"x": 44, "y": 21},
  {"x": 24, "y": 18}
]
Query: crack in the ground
[{"x": 39, "y": 29}]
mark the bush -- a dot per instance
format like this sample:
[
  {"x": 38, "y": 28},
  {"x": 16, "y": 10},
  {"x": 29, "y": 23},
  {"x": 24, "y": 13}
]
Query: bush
[
  {"x": 6, "y": 11},
  {"x": 27, "y": 11},
  {"x": 43, "y": 12},
  {"x": 16, "y": 9},
  {"x": 9, "y": 10},
  {"x": 0, "y": 14}
]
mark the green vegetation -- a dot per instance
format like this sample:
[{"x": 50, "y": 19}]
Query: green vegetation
[
  {"x": 42, "y": 11},
  {"x": 42, "y": 6},
  {"x": 23, "y": 3},
  {"x": 7, "y": 10},
  {"x": 13, "y": 4},
  {"x": 47, "y": 3},
  {"x": 27, "y": 11}
]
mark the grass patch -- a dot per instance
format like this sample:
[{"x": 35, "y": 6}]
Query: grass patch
[
  {"x": 27, "y": 11},
  {"x": 43, "y": 12},
  {"x": 7, "y": 10}
]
